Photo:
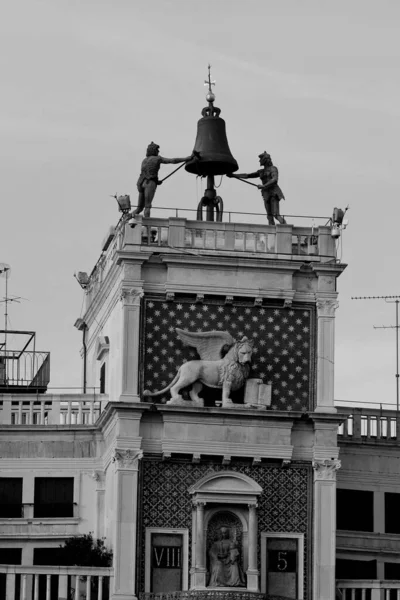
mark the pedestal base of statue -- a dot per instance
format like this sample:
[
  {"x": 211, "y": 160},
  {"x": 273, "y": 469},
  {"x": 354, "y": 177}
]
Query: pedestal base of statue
[
  {"x": 253, "y": 577},
  {"x": 123, "y": 597}
]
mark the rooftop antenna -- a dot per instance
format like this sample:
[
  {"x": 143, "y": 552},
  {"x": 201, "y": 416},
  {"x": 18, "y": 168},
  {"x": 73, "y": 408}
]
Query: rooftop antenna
[
  {"x": 5, "y": 271},
  {"x": 390, "y": 300}
]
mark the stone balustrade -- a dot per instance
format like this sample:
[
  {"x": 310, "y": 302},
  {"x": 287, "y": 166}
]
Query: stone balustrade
[
  {"x": 369, "y": 424},
  {"x": 232, "y": 237},
  {"x": 367, "y": 589},
  {"x": 72, "y": 583},
  {"x": 51, "y": 409},
  {"x": 260, "y": 240}
]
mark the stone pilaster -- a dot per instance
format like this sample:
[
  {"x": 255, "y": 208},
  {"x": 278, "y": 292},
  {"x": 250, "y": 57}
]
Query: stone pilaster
[
  {"x": 200, "y": 571},
  {"x": 324, "y": 528},
  {"x": 131, "y": 301},
  {"x": 325, "y": 353},
  {"x": 99, "y": 478},
  {"x": 252, "y": 571},
  {"x": 126, "y": 463}
]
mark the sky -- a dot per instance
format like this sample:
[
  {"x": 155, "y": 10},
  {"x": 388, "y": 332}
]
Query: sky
[{"x": 87, "y": 84}]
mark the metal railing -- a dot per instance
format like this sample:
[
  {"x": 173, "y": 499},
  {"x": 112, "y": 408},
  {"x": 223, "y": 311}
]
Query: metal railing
[
  {"x": 26, "y": 369},
  {"x": 63, "y": 583},
  {"x": 51, "y": 409}
]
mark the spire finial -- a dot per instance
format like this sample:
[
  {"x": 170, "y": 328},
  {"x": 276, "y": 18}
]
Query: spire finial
[{"x": 209, "y": 82}]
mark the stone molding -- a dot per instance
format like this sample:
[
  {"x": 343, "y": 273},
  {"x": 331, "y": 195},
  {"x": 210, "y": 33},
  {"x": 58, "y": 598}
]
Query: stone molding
[
  {"x": 127, "y": 459},
  {"x": 131, "y": 296},
  {"x": 325, "y": 470},
  {"x": 326, "y": 307}
]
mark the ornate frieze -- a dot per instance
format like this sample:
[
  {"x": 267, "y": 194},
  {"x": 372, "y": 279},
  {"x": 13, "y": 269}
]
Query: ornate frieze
[
  {"x": 325, "y": 470},
  {"x": 127, "y": 458}
]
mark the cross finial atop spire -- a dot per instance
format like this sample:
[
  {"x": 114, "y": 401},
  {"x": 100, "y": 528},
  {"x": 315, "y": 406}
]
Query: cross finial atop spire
[{"x": 209, "y": 82}]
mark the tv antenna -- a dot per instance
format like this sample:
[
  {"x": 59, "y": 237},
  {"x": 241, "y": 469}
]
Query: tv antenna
[{"x": 390, "y": 300}]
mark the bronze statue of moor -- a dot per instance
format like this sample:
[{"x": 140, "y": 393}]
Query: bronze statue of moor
[
  {"x": 270, "y": 190},
  {"x": 148, "y": 179}
]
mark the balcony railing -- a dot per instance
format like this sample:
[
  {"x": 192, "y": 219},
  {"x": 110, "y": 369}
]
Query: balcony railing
[
  {"x": 51, "y": 409},
  {"x": 372, "y": 425},
  {"x": 50, "y": 583},
  {"x": 27, "y": 369},
  {"x": 367, "y": 589}
]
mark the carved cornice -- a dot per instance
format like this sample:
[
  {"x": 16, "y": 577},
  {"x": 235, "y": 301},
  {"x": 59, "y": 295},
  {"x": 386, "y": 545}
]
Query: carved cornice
[
  {"x": 131, "y": 296},
  {"x": 127, "y": 459},
  {"x": 326, "y": 307},
  {"x": 325, "y": 470}
]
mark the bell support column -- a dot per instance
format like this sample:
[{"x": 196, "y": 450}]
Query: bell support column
[
  {"x": 325, "y": 353},
  {"x": 324, "y": 528}
]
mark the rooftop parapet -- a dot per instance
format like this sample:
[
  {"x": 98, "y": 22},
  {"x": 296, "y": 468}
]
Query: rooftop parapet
[{"x": 225, "y": 239}]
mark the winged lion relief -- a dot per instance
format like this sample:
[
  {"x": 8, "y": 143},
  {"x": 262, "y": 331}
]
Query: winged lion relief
[{"x": 224, "y": 363}]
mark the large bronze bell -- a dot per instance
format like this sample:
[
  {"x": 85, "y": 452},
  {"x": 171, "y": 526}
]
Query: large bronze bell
[{"x": 211, "y": 144}]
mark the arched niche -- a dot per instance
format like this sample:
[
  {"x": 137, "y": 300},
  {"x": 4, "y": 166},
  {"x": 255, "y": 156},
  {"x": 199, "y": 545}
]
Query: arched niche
[
  {"x": 227, "y": 487},
  {"x": 219, "y": 493}
]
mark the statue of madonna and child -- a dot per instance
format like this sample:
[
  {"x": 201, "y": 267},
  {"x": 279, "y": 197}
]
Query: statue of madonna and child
[{"x": 225, "y": 567}]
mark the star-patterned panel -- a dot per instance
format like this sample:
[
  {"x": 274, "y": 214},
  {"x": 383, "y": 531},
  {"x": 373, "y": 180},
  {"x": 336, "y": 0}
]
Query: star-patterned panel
[
  {"x": 283, "y": 348},
  {"x": 282, "y": 356}
]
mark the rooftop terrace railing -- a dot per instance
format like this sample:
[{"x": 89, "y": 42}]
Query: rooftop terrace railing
[
  {"x": 25, "y": 369},
  {"x": 256, "y": 239},
  {"x": 373, "y": 425},
  {"x": 367, "y": 589},
  {"x": 48, "y": 582},
  {"x": 51, "y": 409}
]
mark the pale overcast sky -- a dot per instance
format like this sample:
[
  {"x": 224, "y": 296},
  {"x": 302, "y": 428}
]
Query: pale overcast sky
[{"x": 87, "y": 84}]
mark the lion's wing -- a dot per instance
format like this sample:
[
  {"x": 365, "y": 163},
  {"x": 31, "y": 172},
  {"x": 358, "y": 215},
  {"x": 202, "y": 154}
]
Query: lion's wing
[{"x": 207, "y": 343}]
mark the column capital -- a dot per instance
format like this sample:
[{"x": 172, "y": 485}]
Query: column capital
[
  {"x": 200, "y": 504},
  {"x": 99, "y": 478},
  {"x": 326, "y": 307},
  {"x": 325, "y": 470},
  {"x": 252, "y": 505},
  {"x": 127, "y": 459},
  {"x": 130, "y": 296}
]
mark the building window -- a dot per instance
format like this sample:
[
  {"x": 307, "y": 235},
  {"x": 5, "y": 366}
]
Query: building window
[
  {"x": 54, "y": 497},
  {"x": 392, "y": 521},
  {"x": 10, "y": 556},
  {"x": 103, "y": 379},
  {"x": 11, "y": 497},
  {"x": 355, "y": 569},
  {"x": 355, "y": 510},
  {"x": 392, "y": 570}
]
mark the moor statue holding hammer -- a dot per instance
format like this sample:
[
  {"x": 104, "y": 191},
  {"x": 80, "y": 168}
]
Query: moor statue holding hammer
[
  {"x": 148, "y": 179},
  {"x": 270, "y": 190}
]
